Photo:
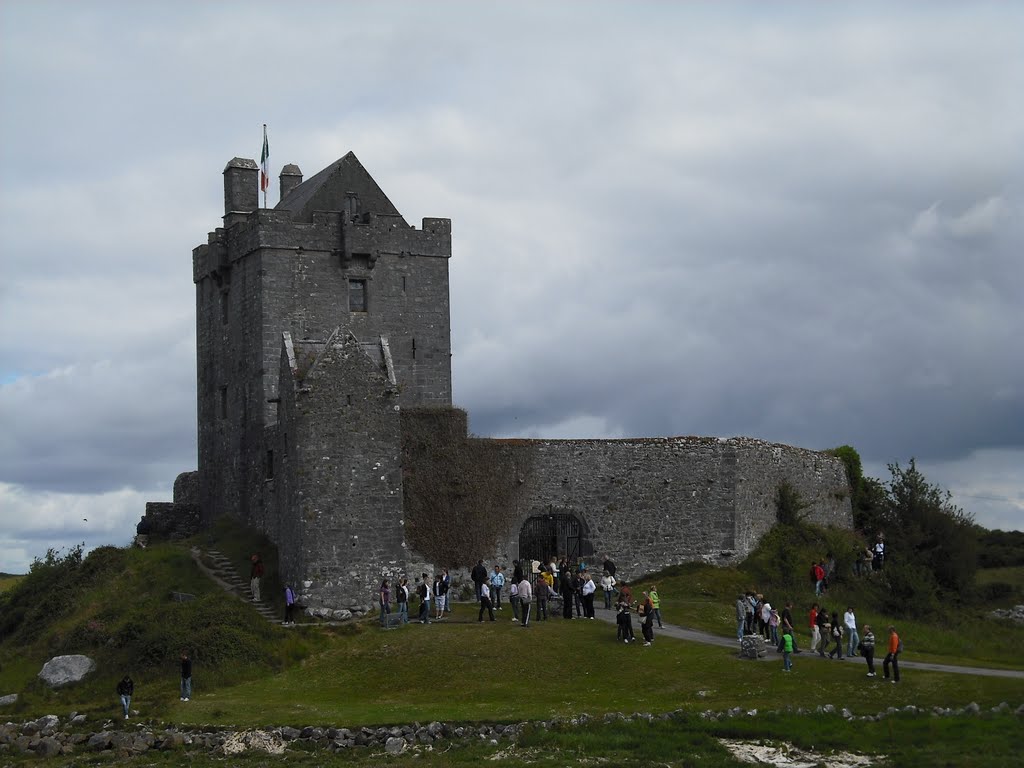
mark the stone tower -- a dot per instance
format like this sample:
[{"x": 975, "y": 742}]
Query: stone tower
[{"x": 333, "y": 264}]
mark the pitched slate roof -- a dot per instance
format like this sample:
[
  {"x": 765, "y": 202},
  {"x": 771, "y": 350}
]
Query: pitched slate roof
[{"x": 328, "y": 190}]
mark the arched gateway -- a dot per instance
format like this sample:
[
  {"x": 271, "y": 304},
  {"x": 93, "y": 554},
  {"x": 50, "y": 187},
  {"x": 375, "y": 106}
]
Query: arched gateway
[{"x": 546, "y": 536}]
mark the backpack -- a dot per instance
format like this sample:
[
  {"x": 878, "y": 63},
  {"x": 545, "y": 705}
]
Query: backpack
[{"x": 899, "y": 647}]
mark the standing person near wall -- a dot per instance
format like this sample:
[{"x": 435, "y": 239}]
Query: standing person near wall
[
  {"x": 893, "y": 656},
  {"x": 289, "y": 604},
  {"x": 608, "y": 585},
  {"x": 485, "y": 602},
  {"x": 497, "y": 582},
  {"x": 446, "y": 584},
  {"x": 125, "y": 689},
  {"x": 384, "y": 598},
  {"x": 402, "y": 598},
  {"x": 647, "y": 611},
  {"x": 423, "y": 590},
  {"x": 513, "y": 599},
  {"x": 440, "y": 595},
  {"x": 186, "y": 676},
  {"x": 255, "y": 574},
  {"x": 525, "y": 600},
  {"x": 565, "y": 588},
  {"x": 587, "y": 590},
  {"x": 609, "y": 566},
  {"x": 479, "y": 576},
  {"x": 540, "y": 586},
  {"x": 741, "y": 615}
]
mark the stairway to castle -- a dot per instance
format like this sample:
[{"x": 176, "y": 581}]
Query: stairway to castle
[{"x": 224, "y": 572}]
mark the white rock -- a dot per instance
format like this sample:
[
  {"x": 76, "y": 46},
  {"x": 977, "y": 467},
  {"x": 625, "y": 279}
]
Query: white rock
[{"x": 65, "y": 670}]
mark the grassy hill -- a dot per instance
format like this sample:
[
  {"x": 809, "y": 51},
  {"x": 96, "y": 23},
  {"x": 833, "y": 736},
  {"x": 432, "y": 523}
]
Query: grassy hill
[{"x": 116, "y": 605}]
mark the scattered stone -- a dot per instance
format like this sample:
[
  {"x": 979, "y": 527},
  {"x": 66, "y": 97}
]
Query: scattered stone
[
  {"x": 753, "y": 647},
  {"x": 66, "y": 670},
  {"x": 6, "y": 701},
  {"x": 47, "y": 747},
  {"x": 395, "y": 745}
]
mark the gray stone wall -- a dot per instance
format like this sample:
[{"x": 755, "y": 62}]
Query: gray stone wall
[
  {"x": 651, "y": 503},
  {"x": 343, "y": 483},
  {"x": 270, "y": 271}
]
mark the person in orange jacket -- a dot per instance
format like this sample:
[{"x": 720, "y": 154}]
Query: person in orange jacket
[{"x": 892, "y": 657}]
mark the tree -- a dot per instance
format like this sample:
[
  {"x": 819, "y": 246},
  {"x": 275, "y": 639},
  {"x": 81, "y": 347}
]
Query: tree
[{"x": 926, "y": 527}]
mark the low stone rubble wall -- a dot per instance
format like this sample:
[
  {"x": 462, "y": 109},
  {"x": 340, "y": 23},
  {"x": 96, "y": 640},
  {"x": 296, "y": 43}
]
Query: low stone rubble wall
[{"x": 48, "y": 737}]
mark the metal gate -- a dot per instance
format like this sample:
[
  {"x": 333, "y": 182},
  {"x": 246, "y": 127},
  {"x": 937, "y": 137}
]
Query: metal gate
[{"x": 544, "y": 537}]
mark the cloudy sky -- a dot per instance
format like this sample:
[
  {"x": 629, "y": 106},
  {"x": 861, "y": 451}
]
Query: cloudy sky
[{"x": 800, "y": 222}]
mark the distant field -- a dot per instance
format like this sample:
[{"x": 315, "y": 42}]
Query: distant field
[
  {"x": 1012, "y": 575},
  {"x": 8, "y": 580}
]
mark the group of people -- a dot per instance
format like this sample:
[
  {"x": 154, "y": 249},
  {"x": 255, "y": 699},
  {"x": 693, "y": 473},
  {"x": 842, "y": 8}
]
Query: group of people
[
  {"x": 532, "y": 583},
  {"x": 756, "y": 616}
]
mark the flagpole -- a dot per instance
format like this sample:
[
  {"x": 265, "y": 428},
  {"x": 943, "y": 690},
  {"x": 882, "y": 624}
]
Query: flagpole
[{"x": 265, "y": 166}]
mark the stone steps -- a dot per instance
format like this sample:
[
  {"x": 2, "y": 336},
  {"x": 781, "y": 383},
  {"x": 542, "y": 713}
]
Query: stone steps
[{"x": 223, "y": 570}]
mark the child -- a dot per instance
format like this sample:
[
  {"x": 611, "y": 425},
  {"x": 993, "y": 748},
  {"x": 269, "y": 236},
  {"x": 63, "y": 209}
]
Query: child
[
  {"x": 787, "y": 650},
  {"x": 773, "y": 624},
  {"x": 624, "y": 622}
]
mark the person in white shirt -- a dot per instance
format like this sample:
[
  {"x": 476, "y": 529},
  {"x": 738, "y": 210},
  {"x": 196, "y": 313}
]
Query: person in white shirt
[
  {"x": 588, "y": 589},
  {"x": 525, "y": 600},
  {"x": 850, "y": 620},
  {"x": 485, "y": 602}
]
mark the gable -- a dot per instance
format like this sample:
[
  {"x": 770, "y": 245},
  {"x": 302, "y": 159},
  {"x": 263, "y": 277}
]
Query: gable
[{"x": 344, "y": 185}]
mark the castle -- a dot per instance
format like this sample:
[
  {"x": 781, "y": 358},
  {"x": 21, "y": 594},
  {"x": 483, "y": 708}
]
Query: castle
[{"x": 324, "y": 415}]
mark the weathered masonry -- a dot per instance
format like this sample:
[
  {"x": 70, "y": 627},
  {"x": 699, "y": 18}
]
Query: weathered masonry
[{"x": 323, "y": 339}]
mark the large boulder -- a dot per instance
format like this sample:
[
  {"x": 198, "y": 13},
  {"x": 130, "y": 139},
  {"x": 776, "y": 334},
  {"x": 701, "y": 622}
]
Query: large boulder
[
  {"x": 66, "y": 670},
  {"x": 6, "y": 701}
]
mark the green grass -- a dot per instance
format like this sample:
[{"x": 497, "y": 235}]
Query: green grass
[
  {"x": 7, "y": 581},
  {"x": 1013, "y": 575},
  {"x": 703, "y": 597}
]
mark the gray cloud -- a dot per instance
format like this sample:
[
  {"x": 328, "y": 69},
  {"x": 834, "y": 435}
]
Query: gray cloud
[{"x": 695, "y": 220}]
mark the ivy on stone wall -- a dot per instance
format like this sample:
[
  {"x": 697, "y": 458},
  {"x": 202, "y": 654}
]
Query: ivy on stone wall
[{"x": 460, "y": 493}]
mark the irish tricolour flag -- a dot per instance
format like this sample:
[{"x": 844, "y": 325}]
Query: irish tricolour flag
[{"x": 265, "y": 163}]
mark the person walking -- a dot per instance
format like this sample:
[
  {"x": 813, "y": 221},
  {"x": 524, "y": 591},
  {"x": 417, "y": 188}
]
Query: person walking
[
  {"x": 824, "y": 630},
  {"x": 525, "y": 600},
  {"x": 815, "y": 631},
  {"x": 837, "y": 634},
  {"x": 186, "y": 676},
  {"x": 852, "y": 638},
  {"x": 125, "y": 689},
  {"x": 485, "y": 602},
  {"x": 255, "y": 574},
  {"x": 565, "y": 587},
  {"x": 786, "y": 621},
  {"x": 787, "y": 650},
  {"x": 656, "y": 602},
  {"x": 893, "y": 656},
  {"x": 867, "y": 648},
  {"x": 289, "y": 605},
  {"x": 513, "y": 599}
]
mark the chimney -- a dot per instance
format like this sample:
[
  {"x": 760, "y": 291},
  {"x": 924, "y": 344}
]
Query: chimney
[
  {"x": 241, "y": 189},
  {"x": 290, "y": 178}
]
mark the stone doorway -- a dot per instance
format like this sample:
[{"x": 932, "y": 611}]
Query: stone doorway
[{"x": 551, "y": 535}]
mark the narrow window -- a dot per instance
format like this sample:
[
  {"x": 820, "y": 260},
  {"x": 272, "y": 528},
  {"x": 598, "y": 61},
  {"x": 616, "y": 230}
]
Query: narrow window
[
  {"x": 414, "y": 349},
  {"x": 357, "y": 296},
  {"x": 403, "y": 284},
  {"x": 223, "y": 402},
  {"x": 348, "y": 399},
  {"x": 270, "y": 465},
  {"x": 224, "y": 308}
]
